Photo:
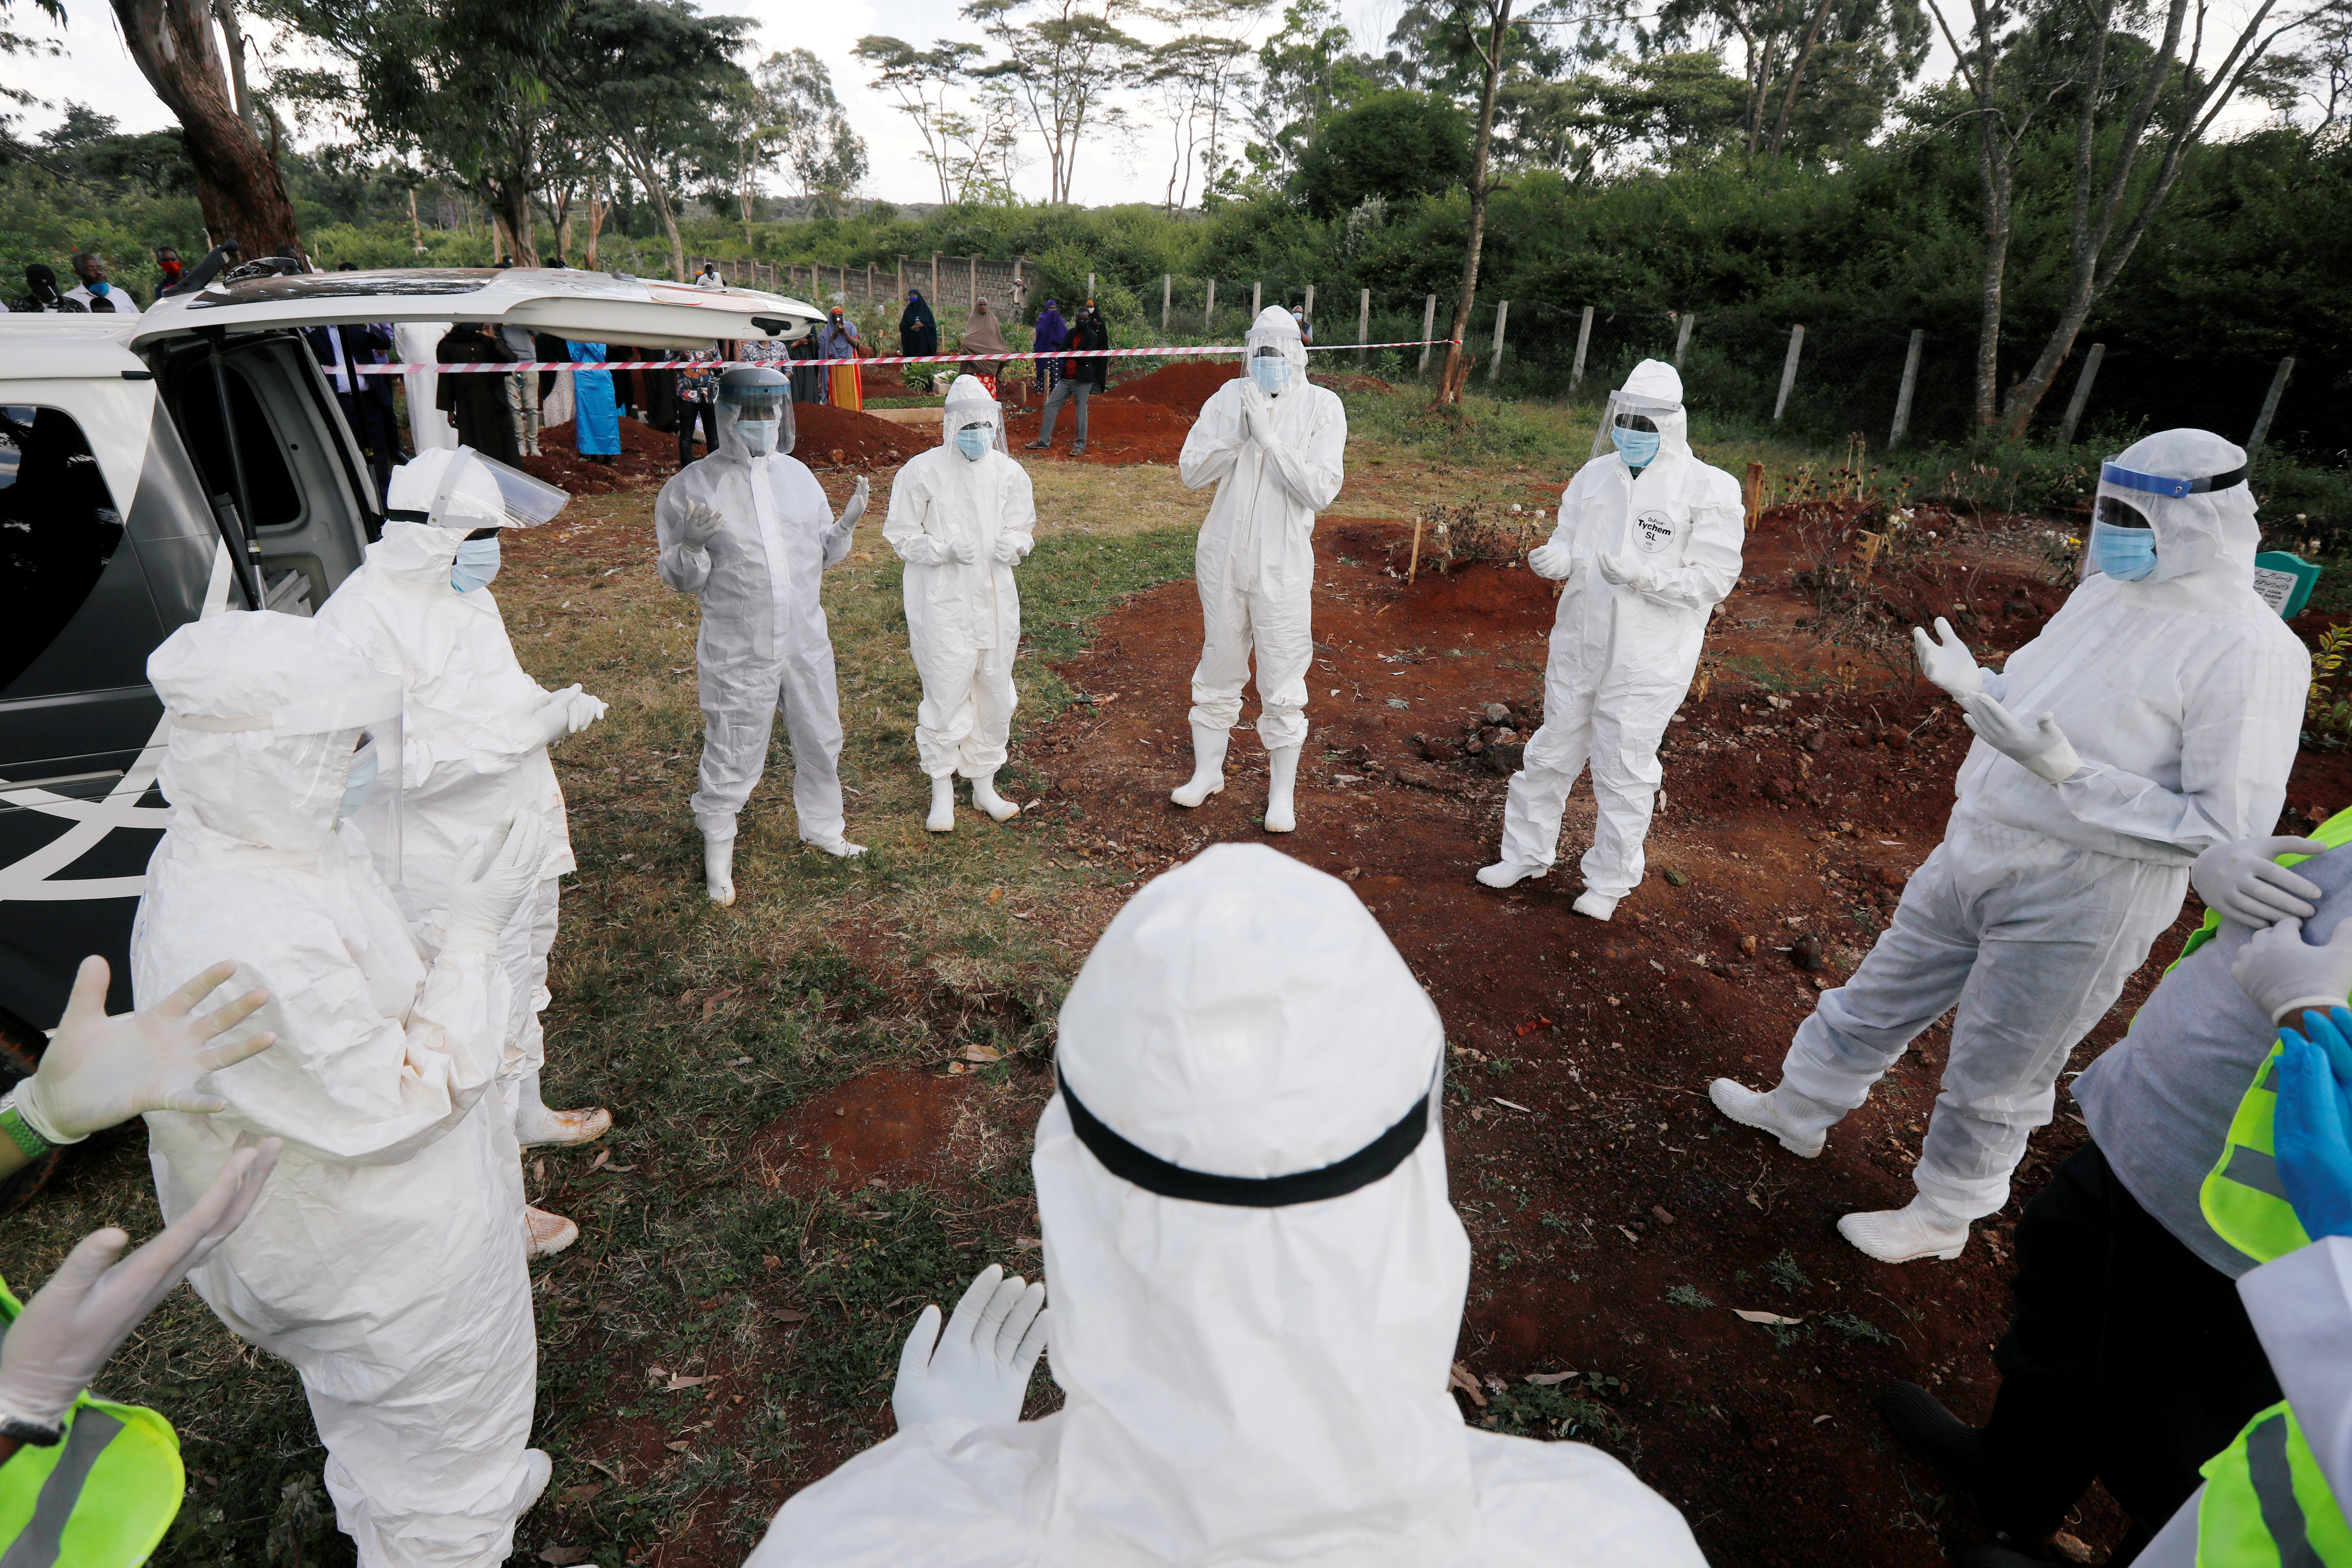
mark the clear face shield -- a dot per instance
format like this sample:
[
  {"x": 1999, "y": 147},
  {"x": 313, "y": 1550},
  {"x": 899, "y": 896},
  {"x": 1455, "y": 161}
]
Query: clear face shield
[
  {"x": 1630, "y": 414},
  {"x": 2123, "y": 534},
  {"x": 371, "y": 768},
  {"x": 1270, "y": 368},
  {"x": 762, "y": 413},
  {"x": 471, "y": 492}
]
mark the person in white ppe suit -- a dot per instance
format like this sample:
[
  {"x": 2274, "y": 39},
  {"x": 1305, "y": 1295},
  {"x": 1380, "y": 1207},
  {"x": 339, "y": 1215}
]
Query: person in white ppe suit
[
  {"x": 962, "y": 518},
  {"x": 2155, "y": 717},
  {"x": 385, "y": 1259},
  {"x": 1648, "y": 544},
  {"x": 1258, "y": 1280},
  {"x": 747, "y": 529},
  {"x": 1273, "y": 443},
  {"x": 476, "y": 730}
]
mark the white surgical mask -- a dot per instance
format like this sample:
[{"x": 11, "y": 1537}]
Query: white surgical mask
[
  {"x": 972, "y": 441},
  {"x": 1272, "y": 373},
  {"x": 477, "y": 564},
  {"x": 360, "y": 778},
  {"x": 758, "y": 436}
]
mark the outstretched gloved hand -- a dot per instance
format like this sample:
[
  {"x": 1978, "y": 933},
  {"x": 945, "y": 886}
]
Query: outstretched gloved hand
[
  {"x": 493, "y": 876},
  {"x": 552, "y": 719},
  {"x": 1550, "y": 560},
  {"x": 965, "y": 551},
  {"x": 2311, "y": 1128},
  {"x": 2245, "y": 882},
  {"x": 2040, "y": 748},
  {"x": 1007, "y": 549},
  {"x": 856, "y": 507},
  {"x": 100, "y": 1070},
  {"x": 1945, "y": 660},
  {"x": 701, "y": 523},
  {"x": 979, "y": 1369},
  {"x": 91, "y": 1303},
  {"x": 2281, "y": 974},
  {"x": 1623, "y": 568}
]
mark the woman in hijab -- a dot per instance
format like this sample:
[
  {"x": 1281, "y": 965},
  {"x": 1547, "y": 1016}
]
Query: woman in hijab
[
  {"x": 1052, "y": 333},
  {"x": 839, "y": 340},
  {"x": 919, "y": 333},
  {"x": 983, "y": 336},
  {"x": 808, "y": 382}
]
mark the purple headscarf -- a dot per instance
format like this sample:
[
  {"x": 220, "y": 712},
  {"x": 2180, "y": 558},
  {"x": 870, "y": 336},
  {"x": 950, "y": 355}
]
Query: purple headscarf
[{"x": 1052, "y": 333}]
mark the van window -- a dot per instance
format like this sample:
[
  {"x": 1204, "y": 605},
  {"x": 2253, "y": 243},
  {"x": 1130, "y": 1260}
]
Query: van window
[
  {"x": 268, "y": 480},
  {"x": 58, "y": 528}
]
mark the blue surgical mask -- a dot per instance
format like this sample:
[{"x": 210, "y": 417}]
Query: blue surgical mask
[
  {"x": 1639, "y": 447},
  {"x": 477, "y": 564},
  {"x": 101, "y": 288},
  {"x": 360, "y": 781},
  {"x": 972, "y": 441},
  {"x": 1272, "y": 373},
  {"x": 2126, "y": 553}
]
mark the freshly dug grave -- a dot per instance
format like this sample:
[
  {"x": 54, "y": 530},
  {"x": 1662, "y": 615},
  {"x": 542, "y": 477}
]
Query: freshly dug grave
[
  {"x": 648, "y": 457},
  {"x": 1184, "y": 386},
  {"x": 1118, "y": 432},
  {"x": 1619, "y": 1222},
  {"x": 825, "y": 436}
]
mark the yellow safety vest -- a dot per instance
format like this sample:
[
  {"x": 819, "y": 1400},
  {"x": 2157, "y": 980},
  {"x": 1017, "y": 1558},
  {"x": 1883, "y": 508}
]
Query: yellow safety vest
[
  {"x": 2266, "y": 1503},
  {"x": 100, "y": 1498},
  {"x": 2241, "y": 1197}
]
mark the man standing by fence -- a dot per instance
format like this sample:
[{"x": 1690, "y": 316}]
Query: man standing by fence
[{"x": 1081, "y": 378}]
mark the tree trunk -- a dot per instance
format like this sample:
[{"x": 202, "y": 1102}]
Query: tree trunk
[
  {"x": 1997, "y": 177},
  {"x": 1797, "y": 75},
  {"x": 1457, "y": 362},
  {"x": 669, "y": 227},
  {"x": 233, "y": 34},
  {"x": 239, "y": 188},
  {"x": 597, "y": 207}
]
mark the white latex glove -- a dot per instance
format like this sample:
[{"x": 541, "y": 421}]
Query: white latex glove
[
  {"x": 1008, "y": 549},
  {"x": 965, "y": 551},
  {"x": 1624, "y": 569},
  {"x": 2281, "y": 974},
  {"x": 586, "y": 710},
  {"x": 856, "y": 509},
  {"x": 2246, "y": 884},
  {"x": 100, "y": 1070},
  {"x": 1550, "y": 560},
  {"x": 1945, "y": 660},
  {"x": 1257, "y": 415},
  {"x": 2040, "y": 748},
  {"x": 552, "y": 719},
  {"x": 978, "y": 1370},
  {"x": 701, "y": 523},
  {"x": 494, "y": 875},
  {"x": 91, "y": 1303}
]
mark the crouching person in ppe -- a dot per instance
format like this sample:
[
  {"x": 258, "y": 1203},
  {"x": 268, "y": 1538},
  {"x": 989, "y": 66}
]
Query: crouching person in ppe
[
  {"x": 2129, "y": 1358},
  {"x": 2155, "y": 717},
  {"x": 747, "y": 529},
  {"x": 1648, "y": 544},
  {"x": 962, "y": 518},
  {"x": 84, "y": 1480},
  {"x": 387, "y": 1260},
  {"x": 475, "y": 733},
  {"x": 1273, "y": 444},
  {"x": 1258, "y": 1280}
]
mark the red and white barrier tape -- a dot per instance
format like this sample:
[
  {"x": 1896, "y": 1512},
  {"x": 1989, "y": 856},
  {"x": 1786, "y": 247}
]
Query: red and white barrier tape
[{"x": 518, "y": 367}]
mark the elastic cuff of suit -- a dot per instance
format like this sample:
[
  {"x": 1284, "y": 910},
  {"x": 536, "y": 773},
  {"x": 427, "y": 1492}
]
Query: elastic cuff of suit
[{"x": 2320, "y": 1004}]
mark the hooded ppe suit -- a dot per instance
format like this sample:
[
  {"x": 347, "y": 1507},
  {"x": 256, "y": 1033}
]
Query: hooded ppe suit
[
  {"x": 386, "y": 1258},
  {"x": 963, "y": 618},
  {"x": 2183, "y": 695},
  {"x": 1254, "y": 564},
  {"x": 1623, "y": 654},
  {"x": 475, "y": 744},
  {"x": 1255, "y": 1374},
  {"x": 764, "y": 647}
]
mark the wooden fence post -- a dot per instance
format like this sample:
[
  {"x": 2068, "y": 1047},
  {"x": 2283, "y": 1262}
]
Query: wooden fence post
[
  {"x": 2074, "y": 404},
  {"x": 1681, "y": 338},
  {"x": 1428, "y": 328},
  {"x": 1789, "y": 370},
  {"x": 1308, "y": 310},
  {"x": 1583, "y": 339},
  {"x": 1752, "y": 492},
  {"x": 1363, "y": 326},
  {"x": 1910, "y": 384},
  {"x": 869, "y": 283},
  {"x": 973, "y": 285},
  {"x": 2270, "y": 408},
  {"x": 1209, "y": 311},
  {"x": 1257, "y": 299},
  {"x": 902, "y": 281},
  {"x": 1495, "y": 365},
  {"x": 936, "y": 301},
  {"x": 1167, "y": 298}
]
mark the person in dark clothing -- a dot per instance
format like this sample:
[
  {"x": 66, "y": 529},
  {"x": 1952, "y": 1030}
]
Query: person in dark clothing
[
  {"x": 1081, "y": 379},
  {"x": 808, "y": 382},
  {"x": 41, "y": 293},
  {"x": 1051, "y": 333},
  {"x": 698, "y": 388},
  {"x": 546, "y": 346},
  {"x": 365, "y": 400},
  {"x": 919, "y": 333},
  {"x": 476, "y": 403}
]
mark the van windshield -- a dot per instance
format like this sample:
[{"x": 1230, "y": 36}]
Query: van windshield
[{"x": 58, "y": 528}]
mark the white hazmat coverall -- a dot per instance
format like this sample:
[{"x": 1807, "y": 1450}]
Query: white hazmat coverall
[
  {"x": 386, "y": 1258},
  {"x": 1623, "y": 654},
  {"x": 475, "y": 756},
  {"x": 2182, "y": 693},
  {"x": 963, "y": 618},
  {"x": 1254, "y": 564},
  {"x": 1246, "y": 1384},
  {"x": 764, "y": 647}
]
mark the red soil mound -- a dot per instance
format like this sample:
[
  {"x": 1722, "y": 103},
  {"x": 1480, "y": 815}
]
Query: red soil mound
[
  {"x": 648, "y": 458},
  {"x": 1118, "y": 431},
  {"x": 824, "y": 436},
  {"x": 1184, "y": 386}
]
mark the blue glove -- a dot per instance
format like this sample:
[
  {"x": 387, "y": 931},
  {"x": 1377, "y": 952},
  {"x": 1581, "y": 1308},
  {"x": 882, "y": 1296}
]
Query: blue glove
[{"x": 2311, "y": 1130}]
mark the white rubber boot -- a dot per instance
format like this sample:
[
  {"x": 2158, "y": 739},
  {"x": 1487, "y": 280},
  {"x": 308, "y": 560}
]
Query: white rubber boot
[
  {"x": 840, "y": 849},
  {"x": 718, "y": 868},
  {"x": 1282, "y": 783},
  {"x": 1508, "y": 873},
  {"x": 1599, "y": 905},
  {"x": 942, "y": 818},
  {"x": 1761, "y": 1111},
  {"x": 537, "y": 1127},
  {"x": 984, "y": 796},
  {"x": 1921, "y": 1228},
  {"x": 542, "y": 1471},
  {"x": 1208, "y": 767},
  {"x": 549, "y": 1233}
]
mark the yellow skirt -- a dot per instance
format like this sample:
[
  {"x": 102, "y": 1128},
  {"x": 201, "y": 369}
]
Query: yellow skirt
[{"x": 844, "y": 389}]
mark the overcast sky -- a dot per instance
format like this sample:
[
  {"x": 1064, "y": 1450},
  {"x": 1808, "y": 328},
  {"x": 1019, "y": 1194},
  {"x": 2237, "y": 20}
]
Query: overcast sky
[{"x": 95, "y": 69}]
